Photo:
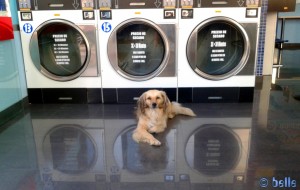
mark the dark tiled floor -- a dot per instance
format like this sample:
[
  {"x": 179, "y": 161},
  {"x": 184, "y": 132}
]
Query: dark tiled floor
[{"x": 227, "y": 146}]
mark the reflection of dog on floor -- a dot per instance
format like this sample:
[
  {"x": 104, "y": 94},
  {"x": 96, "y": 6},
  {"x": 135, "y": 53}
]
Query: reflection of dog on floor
[{"x": 153, "y": 110}]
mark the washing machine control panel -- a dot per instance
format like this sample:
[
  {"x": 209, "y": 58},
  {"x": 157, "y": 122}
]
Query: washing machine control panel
[
  {"x": 141, "y": 4},
  {"x": 169, "y": 3},
  {"x": 219, "y": 3},
  {"x": 24, "y": 4},
  {"x": 187, "y": 3},
  {"x": 55, "y": 4},
  {"x": 104, "y": 4},
  {"x": 86, "y": 4}
]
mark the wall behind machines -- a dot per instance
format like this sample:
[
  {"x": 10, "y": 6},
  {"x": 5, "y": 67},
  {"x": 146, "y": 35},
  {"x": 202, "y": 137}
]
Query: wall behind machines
[{"x": 12, "y": 75}]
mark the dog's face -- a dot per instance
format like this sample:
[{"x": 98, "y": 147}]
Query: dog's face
[{"x": 153, "y": 99}]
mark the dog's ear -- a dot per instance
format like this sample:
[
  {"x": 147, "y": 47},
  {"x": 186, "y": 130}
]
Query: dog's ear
[
  {"x": 166, "y": 100},
  {"x": 141, "y": 103}
]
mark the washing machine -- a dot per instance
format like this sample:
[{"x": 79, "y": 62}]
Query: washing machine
[
  {"x": 59, "y": 42},
  {"x": 130, "y": 163},
  {"x": 212, "y": 152},
  {"x": 70, "y": 151},
  {"x": 138, "y": 42},
  {"x": 217, "y": 53}
]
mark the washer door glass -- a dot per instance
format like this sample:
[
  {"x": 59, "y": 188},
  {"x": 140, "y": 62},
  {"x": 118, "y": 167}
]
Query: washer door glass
[
  {"x": 60, "y": 50},
  {"x": 72, "y": 150},
  {"x": 213, "y": 149},
  {"x": 141, "y": 158},
  {"x": 218, "y": 48},
  {"x": 141, "y": 49}
]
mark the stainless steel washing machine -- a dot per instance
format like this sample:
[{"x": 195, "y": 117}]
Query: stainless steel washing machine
[
  {"x": 70, "y": 150},
  {"x": 217, "y": 53},
  {"x": 138, "y": 40},
  {"x": 60, "y": 51},
  {"x": 213, "y": 152},
  {"x": 130, "y": 163}
]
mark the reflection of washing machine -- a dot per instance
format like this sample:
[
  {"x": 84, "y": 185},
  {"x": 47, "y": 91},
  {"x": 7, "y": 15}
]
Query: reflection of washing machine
[
  {"x": 138, "y": 42},
  {"x": 217, "y": 50},
  {"x": 60, "y": 51},
  {"x": 70, "y": 150},
  {"x": 213, "y": 152},
  {"x": 129, "y": 163}
]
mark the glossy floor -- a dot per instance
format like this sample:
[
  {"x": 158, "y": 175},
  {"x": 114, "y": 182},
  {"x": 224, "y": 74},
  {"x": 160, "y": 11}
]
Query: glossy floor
[{"x": 227, "y": 146}]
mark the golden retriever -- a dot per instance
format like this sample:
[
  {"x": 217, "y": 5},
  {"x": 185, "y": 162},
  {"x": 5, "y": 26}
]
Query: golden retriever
[{"x": 153, "y": 110}]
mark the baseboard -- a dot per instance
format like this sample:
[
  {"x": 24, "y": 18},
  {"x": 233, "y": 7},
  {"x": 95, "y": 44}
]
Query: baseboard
[
  {"x": 12, "y": 111},
  {"x": 216, "y": 95},
  {"x": 64, "y": 95},
  {"x": 130, "y": 95}
]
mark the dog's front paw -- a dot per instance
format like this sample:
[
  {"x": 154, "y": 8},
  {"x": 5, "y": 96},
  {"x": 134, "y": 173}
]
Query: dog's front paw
[{"x": 154, "y": 142}]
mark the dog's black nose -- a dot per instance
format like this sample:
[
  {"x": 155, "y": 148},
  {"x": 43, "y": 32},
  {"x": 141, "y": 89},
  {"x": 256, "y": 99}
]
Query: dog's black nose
[{"x": 154, "y": 105}]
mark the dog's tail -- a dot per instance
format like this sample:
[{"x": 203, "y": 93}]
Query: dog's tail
[{"x": 178, "y": 109}]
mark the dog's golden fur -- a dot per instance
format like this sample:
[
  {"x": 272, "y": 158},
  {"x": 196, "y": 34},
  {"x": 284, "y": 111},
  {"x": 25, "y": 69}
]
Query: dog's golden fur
[{"x": 153, "y": 111}]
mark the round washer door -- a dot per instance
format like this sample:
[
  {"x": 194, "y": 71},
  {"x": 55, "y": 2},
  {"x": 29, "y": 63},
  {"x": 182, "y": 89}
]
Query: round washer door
[
  {"x": 213, "y": 149},
  {"x": 218, "y": 48},
  {"x": 70, "y": 149},
  {"x": 141, "y": 158},
  {"x": 138, "y": 49},
  {"x": 60, "y": 50}
]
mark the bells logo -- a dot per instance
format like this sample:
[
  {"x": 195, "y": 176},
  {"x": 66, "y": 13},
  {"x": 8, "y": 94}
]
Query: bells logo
[{"x": 286, "y": 182}]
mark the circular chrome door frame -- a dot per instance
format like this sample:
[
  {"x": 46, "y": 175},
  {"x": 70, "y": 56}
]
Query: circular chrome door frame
[
  {"x": 35, "y": 55},
  {"x": 113, "y": 54},
  {"x": 191, "y": 49}
]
